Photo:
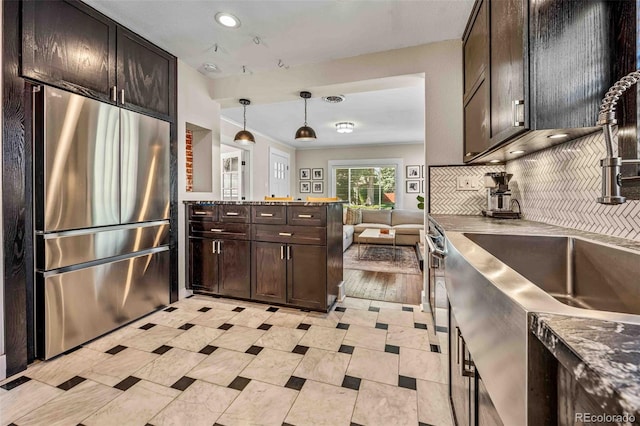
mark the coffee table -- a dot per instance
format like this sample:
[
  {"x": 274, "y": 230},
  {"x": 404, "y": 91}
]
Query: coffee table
[{"x": 374, "y": 236}]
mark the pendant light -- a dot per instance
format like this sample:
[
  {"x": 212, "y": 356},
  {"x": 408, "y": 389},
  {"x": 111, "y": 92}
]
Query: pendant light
[
  {"x": 244, "y": 137},
  {"x": 305, "y": 133}
]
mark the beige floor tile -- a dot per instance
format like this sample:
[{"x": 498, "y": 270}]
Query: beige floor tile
[
  {"x": 322, "y": 404},
  {"x": 283, "y": 319},
  {"x": 358, "y": 317},
  {"x": 63, "y": 368},
  {"x": 386, "y": 305},
  {"x": 284, "y": 339},
  {"x": 422, "y": 365},
  {"x": 152, "y": 338},
  {"x": 390, "y": 316},
  {"x": 422, "y": 317},
  {"x": 73, "y": 406},
  {"x": 200, "y": 405},
  {"x": 238, "y": 338},
  {"x": 193, "y": 304},
  {"x": 323, "y": 338},
  {"x": 171, "y": 366},
  {"x": 119, "y": 366},
  {"x": 24, "y": 399},
  {"x": 374, "y": 365},
  {"x": 380, "y": 404},
  {"x": 251, "y": 317},
  {"x": 443, "y": 341},
  {"x": 259, "y": 404},
  {"x": 221, "y": 367},
  {"x": 172, "y": 319},
  {"x": 433, "y": 403},
  {"x": 407, "y": 337},
  {"x": 271, "y": 366},
  {"x": 324, "y": 320},
  {"x": 355, "y": 303},
  {"x": 365, "y": 337},
  {"x": 136, "y": 406},
  {"x": 213, "y": 318},
  {"x": 113, "y": 339},
  {"x": 323, "y": 366},
  {"x": 196, "y": 338}
]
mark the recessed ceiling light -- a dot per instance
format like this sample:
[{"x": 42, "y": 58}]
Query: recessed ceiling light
[
  {"x": 210, "y": 67},
  {"x": 518, "y": 151},
  {"x": 494, "y": 161},
  {"x": 333, "y": 99},
  {"x": 344, "y": 127},
  {"x": 557, "y": 136},
  {"x": 227, "y": 20}
]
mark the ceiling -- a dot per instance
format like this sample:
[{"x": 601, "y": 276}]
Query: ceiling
[{"x": 289, "y": 32}]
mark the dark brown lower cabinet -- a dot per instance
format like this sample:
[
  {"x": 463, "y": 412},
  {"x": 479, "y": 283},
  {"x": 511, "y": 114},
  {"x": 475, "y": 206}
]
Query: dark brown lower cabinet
[
  {"x": 203, "y": 265},
  {"x": 269, "y": 272}
]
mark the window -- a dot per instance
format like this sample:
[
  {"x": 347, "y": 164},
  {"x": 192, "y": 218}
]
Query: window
[{"x": 373, "y": 187}]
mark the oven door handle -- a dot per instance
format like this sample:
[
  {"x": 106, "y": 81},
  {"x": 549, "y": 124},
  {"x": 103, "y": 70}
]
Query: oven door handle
[{"x": 433, "y": 247}]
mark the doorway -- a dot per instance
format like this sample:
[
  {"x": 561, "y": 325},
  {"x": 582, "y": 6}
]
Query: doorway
[
  {"x": 278, "y": 173},
  {"x": 234, "y": 178}
]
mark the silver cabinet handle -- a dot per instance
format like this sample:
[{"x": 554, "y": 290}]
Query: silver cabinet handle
[
  {"x": 217, "y": 230},
  {"x": 306, "y": 216},
  {"x": 233, "y": 214},
  {"x": 213, "y": 247},
  {"x": 114, "y": 94},
  {"x": 199, "y": 212},
  {"x": 285, "y": 234},
  {"x": 281, "y": 252},
  {"x": 122, "y": 96},
  {"x": 219, "y": 247},
  {"x": 288, "y": 252},
  {"x": 266, "y": 214},
  {"x": 514, "y": 112}
]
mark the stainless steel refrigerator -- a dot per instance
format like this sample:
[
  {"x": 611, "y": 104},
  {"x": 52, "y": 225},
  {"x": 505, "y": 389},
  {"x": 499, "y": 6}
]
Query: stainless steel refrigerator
[{"x": 101, "y": 218}]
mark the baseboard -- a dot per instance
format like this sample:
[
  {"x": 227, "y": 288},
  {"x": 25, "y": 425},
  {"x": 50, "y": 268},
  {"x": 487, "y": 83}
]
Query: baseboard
[
  {"x": 184, "y": 293},
  {"x": 341, "y": 292},
  {"x": 3, "y": 367}
]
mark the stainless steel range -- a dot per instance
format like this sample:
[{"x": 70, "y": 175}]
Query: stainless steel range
[{"x": 437, "y": 293}]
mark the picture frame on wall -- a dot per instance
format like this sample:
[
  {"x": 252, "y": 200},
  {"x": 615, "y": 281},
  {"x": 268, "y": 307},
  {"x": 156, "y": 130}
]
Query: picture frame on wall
[
  {"x": 422, "y": 186},
  {"x": 413, "y": 187},
  {"x": 318, "y": 174},
  {"x": 422, "y": 175},
  {"x": 305, "y": 174},
  {"x": 317, "y": 188},
  {"x": 413, "y": 172},
  {"x": 305, "y": 187}
]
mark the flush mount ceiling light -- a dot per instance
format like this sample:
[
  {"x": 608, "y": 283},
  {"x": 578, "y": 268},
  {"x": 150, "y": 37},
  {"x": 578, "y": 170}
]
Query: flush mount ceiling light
[
  {"x": 494, "y": 161},
  {"x": 227, "y": 20},
  {"x": 344, "y": 127},
  {"x": 333, "y": 99},
  {"x": 519, "y": 151},
  {"x": 244, "y": 137},
  {"x": 305, "y": 133},
  {"x": 210, "y": 67},
  {"x": 557, "y": 136}
]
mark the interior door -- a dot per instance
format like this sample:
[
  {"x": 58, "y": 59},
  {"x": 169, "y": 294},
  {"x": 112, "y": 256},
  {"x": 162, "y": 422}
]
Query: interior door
[
  {"x": 278, "y": 173},
  {"x": 231, "y": 175}
]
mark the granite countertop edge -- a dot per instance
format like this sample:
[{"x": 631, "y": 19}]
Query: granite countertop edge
[{"x": 262, "y": 203}]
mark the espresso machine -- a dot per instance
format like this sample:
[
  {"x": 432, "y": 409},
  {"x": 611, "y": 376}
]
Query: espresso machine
[{"x": 499, "y": 196}]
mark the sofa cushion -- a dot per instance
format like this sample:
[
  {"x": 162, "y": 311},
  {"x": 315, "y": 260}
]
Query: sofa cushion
[
  {"x": 408, "y": 229},
  {"x": 402, "y": 217},
  {"x": 362, "y": 226},
  {"x": 376, "y": 216},
  {"x": 347, "y": 231},
  {"x": 353, "y": 216}
]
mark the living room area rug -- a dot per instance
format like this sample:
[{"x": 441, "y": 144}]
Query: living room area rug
[{"x": 379, "y": 258}]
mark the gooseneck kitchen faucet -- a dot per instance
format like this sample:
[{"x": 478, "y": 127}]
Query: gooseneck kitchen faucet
[{"x": 611, "y": 177}]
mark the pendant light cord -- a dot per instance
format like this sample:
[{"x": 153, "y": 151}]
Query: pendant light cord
[
  {"x": 305, "y": 111},
  {"x": 244, "y": 114}
]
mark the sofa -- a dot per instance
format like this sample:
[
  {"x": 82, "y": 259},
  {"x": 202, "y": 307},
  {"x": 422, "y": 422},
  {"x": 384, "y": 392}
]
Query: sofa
[{"x": 406, "y": 223}]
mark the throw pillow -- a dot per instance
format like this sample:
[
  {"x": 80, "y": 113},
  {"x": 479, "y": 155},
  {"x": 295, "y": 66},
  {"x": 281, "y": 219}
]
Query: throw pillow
[{"x": 354, "y": 216}]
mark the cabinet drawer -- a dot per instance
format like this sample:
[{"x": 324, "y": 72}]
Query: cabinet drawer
[
  {"x": 206, "y": 212},
  {"x": 276, "y": 215},
  {"x": 234, "y": 213},
  {"x": 308, "y": 216},
  {"x": 219, "y": 230},
  {"x": 290, "y": 234}
]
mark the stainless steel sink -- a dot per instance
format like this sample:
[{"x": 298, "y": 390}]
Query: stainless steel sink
[{"x": 576, "y": 272}]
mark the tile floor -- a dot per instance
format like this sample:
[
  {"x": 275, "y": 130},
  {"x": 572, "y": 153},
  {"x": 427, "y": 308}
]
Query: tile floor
[{"x": 226, "y": 362}]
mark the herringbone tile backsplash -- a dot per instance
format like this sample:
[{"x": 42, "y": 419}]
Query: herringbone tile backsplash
[{"x": 560, "y": 185}]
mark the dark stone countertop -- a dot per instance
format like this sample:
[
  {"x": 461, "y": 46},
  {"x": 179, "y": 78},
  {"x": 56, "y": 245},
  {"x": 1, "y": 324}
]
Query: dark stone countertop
[
  {"x": 265, "y": 203},
  {"x": 603, "y": 356}
]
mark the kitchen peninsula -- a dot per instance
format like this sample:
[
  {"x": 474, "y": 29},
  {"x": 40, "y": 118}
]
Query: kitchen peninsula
[{"x": 286, "y": 253}]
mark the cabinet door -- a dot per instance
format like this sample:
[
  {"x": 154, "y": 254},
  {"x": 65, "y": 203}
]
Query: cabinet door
[
  {"x": 476, "y": 122},
  {"x": 307, "y": 276},
  {"x": 458, "y": 384},
  {"x": 507, "y": 69},
  {"x": 69, "y": 45},
  {"x": 487, "y": 413},
  {"x": 476, "y": 48},
  {"x": 269, "y": 272},
  {"x": 234, "y": 264},
  {"x": 146, "y": 74},
  {"x": 203, "y": 264}
]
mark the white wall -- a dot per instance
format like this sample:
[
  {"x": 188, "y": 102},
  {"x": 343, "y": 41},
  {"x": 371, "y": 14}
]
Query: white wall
[
  {"x": 313, "y": 158},
  {"x": 3, "y": 365}
]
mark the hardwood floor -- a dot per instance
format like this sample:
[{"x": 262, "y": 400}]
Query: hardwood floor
[{"x": 385, "y": 286}]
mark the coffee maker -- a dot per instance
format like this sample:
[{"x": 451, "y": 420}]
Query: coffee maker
[{"x": 499, "y": 196}]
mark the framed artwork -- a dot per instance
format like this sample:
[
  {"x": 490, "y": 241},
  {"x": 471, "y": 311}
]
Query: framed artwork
[
  {"x": 317, "y": 187},
  {"x": 305, "y": 174},
  {"x": 413, "y": 172},
  {"x": 318, "y": 174},
  {"x": 422, "y": 186},
  {"x": 422, "y": 176},
  {"x": 305, "y": 187},
  {"x": 413, "y": 187}
]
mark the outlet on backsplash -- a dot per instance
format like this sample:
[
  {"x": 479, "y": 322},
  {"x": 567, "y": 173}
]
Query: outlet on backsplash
[{"x": 467, "y": 183}]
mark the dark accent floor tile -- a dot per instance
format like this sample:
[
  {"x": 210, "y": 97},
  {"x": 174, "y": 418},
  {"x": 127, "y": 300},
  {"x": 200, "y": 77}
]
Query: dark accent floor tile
[
  {"x": 208, "y": 350},
  {"x": 392, "y": 349},
  {"x": 186, "y": 326},
  {"x": 74, "y": 381},
  {"x": 374, "y": 309},
  {"x": 354, "y": 424},
  {"x": 435, "y": 348},
  {"x": 225, "y": 326},
  {"x": 295, "y": 383},
  {"x": 407, "y": 382},
  {"x": 162, "y": 349},
  {"x": 264, "y": 326},
  {"x": 382, "y": 326},
  {"x": 238, "y": 309},
  {"x": 424, "y": 424},
  {"x": 254, "y": 350},
  {"x": 171, "y": 309},
  {"x": 407, "y": 309},
  {"x": 346, "y": 349},
  {"x": 190, "y": 296},
  {"x": 287, "y": 424},
  {"x": 299, "y": 349},
  {"x": 205, "y": 309},
  {"x": 15, "y": 383},
  {"x": 420, "y": 325},
  {"x": 442, "y": 329},
  {"x": 340, "y": 309},
  {"x": 183, "y": 383},
  {"x": 272, "y": 309},
  {"x": 239, "y": 383},
  {"x": 351, "y": 383},
  {"x": 127, "y": 383},
  {"x": 305, "y": 310},
  {"x": 303, "y": 326},
  {"x": 342, "y": 326},
  {"x": 116, "y": 349},
  {"x": 147, "y": 326}
]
